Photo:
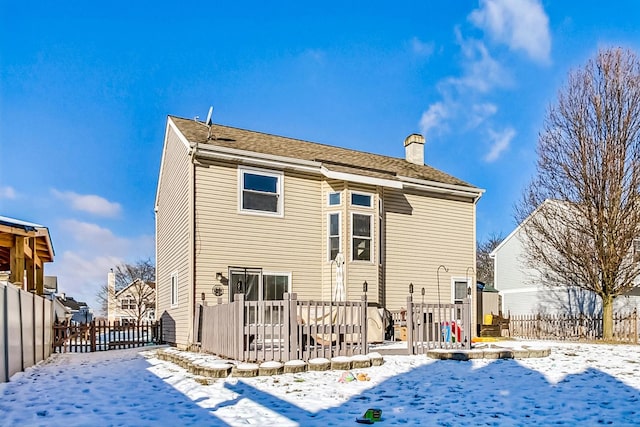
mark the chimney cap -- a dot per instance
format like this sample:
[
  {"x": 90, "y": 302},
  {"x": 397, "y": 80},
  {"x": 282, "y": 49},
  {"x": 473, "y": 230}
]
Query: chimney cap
[{"x": 414, "y": 137}]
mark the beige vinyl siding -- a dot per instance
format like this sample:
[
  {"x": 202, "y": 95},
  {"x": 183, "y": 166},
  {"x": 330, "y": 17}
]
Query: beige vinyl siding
[
  {"x": 227, "y": 237},
  {"x": 355, "y": 272},
  {"x": 172, "y": 234},
  {"x": 422, "y": 233}
]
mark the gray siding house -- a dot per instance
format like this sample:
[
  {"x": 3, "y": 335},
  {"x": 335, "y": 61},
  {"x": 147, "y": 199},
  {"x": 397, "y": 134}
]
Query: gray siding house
[
  {"x": 244, "y": 211},
  {"x": 523, "y": 293}
]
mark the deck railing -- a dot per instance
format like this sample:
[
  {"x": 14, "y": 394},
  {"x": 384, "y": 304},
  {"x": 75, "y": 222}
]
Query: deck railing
[
  {"x": 431, "y": 326},
  {"x": 283, "y": 330}
]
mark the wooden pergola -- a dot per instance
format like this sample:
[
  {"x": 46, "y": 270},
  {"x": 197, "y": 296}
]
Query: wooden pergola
[{"x": 24, "y": 249}]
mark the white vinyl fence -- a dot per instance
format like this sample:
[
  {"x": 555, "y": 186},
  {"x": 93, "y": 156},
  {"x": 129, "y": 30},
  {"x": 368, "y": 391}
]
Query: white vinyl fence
[{"x": 26, "y": 326}]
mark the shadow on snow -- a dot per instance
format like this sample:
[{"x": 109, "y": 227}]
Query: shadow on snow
[{"x": 453, "y": 393}]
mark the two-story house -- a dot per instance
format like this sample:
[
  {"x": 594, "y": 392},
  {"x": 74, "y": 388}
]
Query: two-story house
[
  {"x": 523, "y": 291},
  {"x": 260, "y": 214},
  {"x": 133, "y": 303}
]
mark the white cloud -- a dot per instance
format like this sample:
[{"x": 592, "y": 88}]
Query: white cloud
[
  {"x": 89, "y": 203},
  {"x": 520, "y": 24},
  {"x": 434, "y": 117},
  {"x": 7, "y": 192},
  {"x": 481, "y": 112},
  {"x": 481, "y": 72},
  {"x": 422, "y": 48},
  {"x": 500, "y": 142},
  {"x": 88, "y": 252}
]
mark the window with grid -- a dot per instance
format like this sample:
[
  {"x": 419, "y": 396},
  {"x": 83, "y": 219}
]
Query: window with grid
[
  {"x": 334, "y": 235},
  {"x": 128, "y": 304},
  {"x": 361, "y": 234}
]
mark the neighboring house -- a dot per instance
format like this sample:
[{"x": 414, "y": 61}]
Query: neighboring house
[
  {"x": 25, "y": 248},
  {"x": 522, "y": 290},
  {"x": 243, "y": 211},
  {"x": 133, "y": 303},
  {"x": 80, "y": 311}
]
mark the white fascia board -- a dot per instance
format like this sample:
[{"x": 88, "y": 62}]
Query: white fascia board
[
  {"x": 361, "y": 179},
  {"x": 173, "y": 126},
  {"x": 256, "y": 159},
  {"x": 440, "y": 187},
  {"x": 282, "y": 162},
  {"x": 181, "y": 137}
]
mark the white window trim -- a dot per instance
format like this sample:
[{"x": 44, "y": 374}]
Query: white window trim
[
  {"x": 275, "y": 273},
  {"x": 258, "y": 171},
  {"x": 329, "y": 235},
  {"x": 467, "y": 280},
  {"x": 361, "y": 193},
  {"x": 329, "y": 198},
  {"x": 174, "y": 282},
  {"x": 372, "y": 244}
]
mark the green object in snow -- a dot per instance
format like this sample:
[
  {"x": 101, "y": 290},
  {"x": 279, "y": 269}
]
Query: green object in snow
[{"x": 371, "y": 416}]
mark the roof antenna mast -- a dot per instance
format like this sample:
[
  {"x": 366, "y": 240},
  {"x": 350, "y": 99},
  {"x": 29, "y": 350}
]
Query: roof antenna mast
[{"x": 209, "y": 123}]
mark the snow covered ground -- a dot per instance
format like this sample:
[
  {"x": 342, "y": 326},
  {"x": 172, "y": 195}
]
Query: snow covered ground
[{"x": 578, "y": 384}]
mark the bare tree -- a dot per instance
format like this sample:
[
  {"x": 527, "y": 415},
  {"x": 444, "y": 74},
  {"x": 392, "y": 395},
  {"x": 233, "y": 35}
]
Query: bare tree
[
  {"x": 138, "y": 282},
  {"x": 484, "y": 263},
  {"x": 588, "y": 172}
]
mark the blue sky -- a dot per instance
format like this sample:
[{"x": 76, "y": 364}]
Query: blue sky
[{"x": 85, "y": 89}]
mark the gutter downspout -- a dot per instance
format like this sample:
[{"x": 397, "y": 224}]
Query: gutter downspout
[{"x": 193, "y": 151}]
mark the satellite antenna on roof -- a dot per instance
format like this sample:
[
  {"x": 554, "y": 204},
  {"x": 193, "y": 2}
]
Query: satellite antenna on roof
[{"x": 209, "y": 123}]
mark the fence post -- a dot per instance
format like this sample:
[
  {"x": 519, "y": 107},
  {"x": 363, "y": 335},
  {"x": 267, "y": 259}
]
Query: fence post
[
  {"x": 363, "y": 325},
  {"x": 92, "y": 331},
  {"x": 292, "y": 319},
  {"x": 5, "y": 316},
  {"x": 634, "y": 318},
  {"x": 410, "y": 325},
  {"x": 466, "y": 321},
  {"x": 239, "y": 329}
]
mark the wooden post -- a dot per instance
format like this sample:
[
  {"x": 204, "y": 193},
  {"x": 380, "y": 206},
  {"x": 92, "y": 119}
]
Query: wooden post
[
  {"x": 92, "y": 332},
  {"x": 30, "y": 265},
  {"x": 410, "y": 325},
  {"x": 16, "y": 261}
]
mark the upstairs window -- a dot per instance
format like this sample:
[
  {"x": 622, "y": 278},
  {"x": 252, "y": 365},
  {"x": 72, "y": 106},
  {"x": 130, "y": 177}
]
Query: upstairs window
[
  {"x": 361, "y": 234},
  {"x": 128, "y": 304},
  {"x": 636, "y": 250},
  {"x": 334, "y": 235},
  {"x": 261, "y": 191},
  {"x": 334, "y": 199},
  {"x": 361, "y": 199}
]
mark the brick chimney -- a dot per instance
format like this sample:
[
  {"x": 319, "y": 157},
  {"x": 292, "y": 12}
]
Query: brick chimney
[{"x": 414, "y": 149}]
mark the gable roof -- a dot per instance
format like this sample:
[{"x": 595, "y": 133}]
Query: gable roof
[
  {"x": 333, "y": 162},
  {"x": 71, "y": 303},
  {"x": 10, "y": 227},
  {"x": 150, "y": 285}
]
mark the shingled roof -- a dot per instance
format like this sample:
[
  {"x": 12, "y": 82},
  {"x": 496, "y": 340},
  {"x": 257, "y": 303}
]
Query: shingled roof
[{"x": 332, "y": 158}]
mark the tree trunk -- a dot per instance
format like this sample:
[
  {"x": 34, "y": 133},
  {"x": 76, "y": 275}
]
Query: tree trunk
[{"x": 607, "y": 317}]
